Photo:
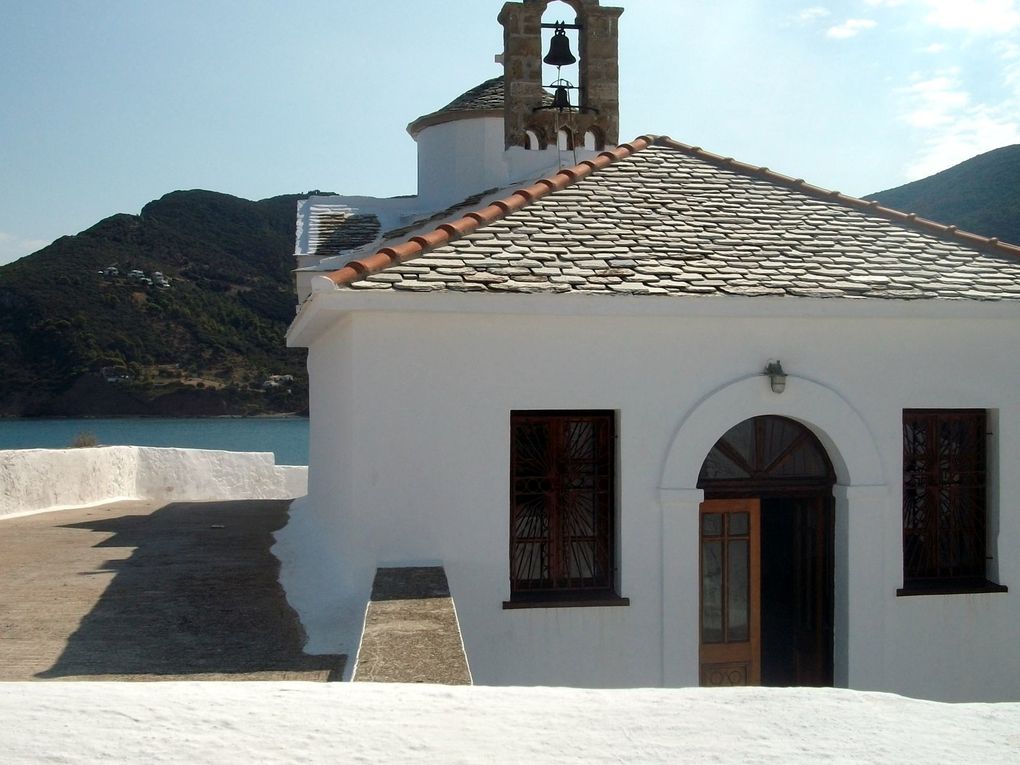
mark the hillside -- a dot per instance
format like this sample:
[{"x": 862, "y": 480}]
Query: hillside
[
  {"x": 981, "y": 195},
  {"x": 199, "y": 331}
]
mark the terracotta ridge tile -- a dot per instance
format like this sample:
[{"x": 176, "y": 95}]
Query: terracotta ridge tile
[
  {"x": 538, "y": 189},
  {"x": 486, "y": 215},
  {"x": 510, "y": 204},
  {"x": 458, "y": 228},
  {"x": 872, "y": 206},
  {"x": 445, "y": 233},
  {"x": 401, "y": 252},
  {"x": 433, "y": 238}
]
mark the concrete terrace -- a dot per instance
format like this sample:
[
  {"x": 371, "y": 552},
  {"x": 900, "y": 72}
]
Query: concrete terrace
[{"x": 150, "y": 591}]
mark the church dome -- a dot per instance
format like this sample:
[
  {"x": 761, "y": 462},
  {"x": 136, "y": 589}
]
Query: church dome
[{"x": 484, "y": 100}]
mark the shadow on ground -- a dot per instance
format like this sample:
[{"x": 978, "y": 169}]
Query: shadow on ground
[{"x": 198, "y": 598}]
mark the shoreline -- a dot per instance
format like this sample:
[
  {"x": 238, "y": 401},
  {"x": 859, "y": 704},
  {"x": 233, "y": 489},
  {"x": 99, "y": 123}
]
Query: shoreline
[{"x": 286, "y": 435}]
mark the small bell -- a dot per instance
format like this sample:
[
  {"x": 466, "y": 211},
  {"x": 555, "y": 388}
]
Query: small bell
[
  {"x": 561, "y": 99},
  {"x": 559, "y": 49}
]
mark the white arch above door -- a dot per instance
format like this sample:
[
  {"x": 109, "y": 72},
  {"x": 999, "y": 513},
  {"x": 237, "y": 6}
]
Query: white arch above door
[{"x": 841, "y": 430}]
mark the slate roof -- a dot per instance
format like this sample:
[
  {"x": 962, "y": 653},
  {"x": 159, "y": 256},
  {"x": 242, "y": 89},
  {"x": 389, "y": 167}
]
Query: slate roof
[
  {"x": 486, "y": 97},
  {"x": 334, "y": 229},
  {"x": 657, "y": 217}
]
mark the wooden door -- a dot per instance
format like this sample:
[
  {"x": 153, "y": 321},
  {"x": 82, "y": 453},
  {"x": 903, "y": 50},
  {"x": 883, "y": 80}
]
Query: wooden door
[
  {"x": 813, "y": 558},
  {"x": 730, "y": 581}
]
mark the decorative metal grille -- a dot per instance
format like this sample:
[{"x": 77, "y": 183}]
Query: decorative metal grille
[
  {"x": 943, "y": 495},
  {"x": 561, "y": 501}
]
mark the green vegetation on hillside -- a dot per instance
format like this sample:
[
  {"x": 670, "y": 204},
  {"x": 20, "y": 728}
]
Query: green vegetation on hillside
[
  {"x": 981, "y": 195},
  {"x": 81, "y": 334}
]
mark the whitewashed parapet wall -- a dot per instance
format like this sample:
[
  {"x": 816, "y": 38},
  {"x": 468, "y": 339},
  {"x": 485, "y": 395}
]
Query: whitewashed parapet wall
[{"x": 32, "y": 480}]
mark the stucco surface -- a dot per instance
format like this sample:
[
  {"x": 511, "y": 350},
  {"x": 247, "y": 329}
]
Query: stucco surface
[
  {"x": 410, "y": 466},
  {"x": 36, "y": 479},
  {"x": 32, "y": 480}
]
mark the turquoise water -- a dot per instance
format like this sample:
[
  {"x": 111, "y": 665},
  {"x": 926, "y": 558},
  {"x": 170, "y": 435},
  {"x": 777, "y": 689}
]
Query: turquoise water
[{"x": 286, "y": 437}]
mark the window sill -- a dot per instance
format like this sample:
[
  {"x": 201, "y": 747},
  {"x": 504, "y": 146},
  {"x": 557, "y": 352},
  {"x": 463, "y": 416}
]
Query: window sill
[
  {"x": 950, "y": 588},
  {"x": 565, "y": 600}
]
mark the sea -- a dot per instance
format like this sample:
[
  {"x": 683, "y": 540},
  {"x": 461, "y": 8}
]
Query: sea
[{"x": 285, "y": 437}]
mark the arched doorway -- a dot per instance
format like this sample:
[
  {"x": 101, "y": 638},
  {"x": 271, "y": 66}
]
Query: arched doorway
[{"x": 767, "y": 557}]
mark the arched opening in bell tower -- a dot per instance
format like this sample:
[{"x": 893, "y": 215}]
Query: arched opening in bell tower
[{"x": 560, "y": 44}]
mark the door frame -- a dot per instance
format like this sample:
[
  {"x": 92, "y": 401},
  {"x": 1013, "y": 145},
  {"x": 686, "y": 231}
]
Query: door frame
[{"x": 764, "y": 477}]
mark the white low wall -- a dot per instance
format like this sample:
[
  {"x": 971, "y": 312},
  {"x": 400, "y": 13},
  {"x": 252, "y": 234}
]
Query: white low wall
[{"x": 32, "y": 480}]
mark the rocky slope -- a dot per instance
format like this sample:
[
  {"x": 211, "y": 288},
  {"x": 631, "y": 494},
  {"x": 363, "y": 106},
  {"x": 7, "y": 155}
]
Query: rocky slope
[{"x": 180, "y": 310}]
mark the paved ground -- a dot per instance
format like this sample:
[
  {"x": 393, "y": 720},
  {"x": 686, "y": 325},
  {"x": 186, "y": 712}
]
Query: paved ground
[
  {"x": 136, "y": 591},
  {"x": 411, "y": 633}
]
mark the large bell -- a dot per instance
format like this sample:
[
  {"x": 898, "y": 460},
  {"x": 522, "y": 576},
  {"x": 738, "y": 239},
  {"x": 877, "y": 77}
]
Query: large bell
[{"x": 559, "y": 49}]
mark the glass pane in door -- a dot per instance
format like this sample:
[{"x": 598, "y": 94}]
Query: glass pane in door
[
  {"x": 711, "y": 591},
  {"x": 738, "y": 584}
]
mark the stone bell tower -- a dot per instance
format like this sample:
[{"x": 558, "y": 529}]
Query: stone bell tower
[{"x": 595, "y": 105}]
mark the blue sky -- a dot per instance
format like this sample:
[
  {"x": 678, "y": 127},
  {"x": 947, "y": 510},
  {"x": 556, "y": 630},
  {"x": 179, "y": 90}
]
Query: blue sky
[{"x": 107, "y": 104}]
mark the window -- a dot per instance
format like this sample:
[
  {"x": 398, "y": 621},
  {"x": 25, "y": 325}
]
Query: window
[
  {"x": 944, "y": 490},
  {"x": 562, "y": 507}
]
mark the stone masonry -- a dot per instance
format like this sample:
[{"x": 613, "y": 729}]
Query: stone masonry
[{"x": 598, "y": 61}]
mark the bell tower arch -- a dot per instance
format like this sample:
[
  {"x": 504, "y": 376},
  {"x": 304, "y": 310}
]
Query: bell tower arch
[{"x": 595, "y": 105}]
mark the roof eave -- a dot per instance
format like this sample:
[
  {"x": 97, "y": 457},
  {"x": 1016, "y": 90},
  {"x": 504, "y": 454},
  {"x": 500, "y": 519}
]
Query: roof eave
[
  {"x": 324, "y": 307},
  {"x": 439, "y": 118}
]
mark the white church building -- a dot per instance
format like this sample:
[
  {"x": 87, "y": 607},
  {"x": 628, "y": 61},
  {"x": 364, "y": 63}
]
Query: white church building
[{"x": 665, "y": 418}]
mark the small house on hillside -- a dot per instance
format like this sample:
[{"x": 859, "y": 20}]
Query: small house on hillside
[{"x": 665, "y": 418}]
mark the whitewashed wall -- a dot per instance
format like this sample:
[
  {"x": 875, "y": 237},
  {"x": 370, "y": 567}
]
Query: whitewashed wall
[
  {"x": 459, "y": 158},
  {"x": 329, "y": 595},
  {"x": 33, "y": 480},
  {"x": 40, "y": 479},
  {"x": 410, "y": 464},
  {"x": 466, "y": 156}
]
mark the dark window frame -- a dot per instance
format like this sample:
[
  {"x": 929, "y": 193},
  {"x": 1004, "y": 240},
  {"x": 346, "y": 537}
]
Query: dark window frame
[
  {"x": 562, "y": 509},
  {"x": 945, "y": 505}
]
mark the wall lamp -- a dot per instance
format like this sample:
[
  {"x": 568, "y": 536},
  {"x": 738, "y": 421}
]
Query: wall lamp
[{"x": 776, "y": 375}]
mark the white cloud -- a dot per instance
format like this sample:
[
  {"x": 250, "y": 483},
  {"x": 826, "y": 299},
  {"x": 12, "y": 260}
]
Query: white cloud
[
  {"x": 978, "y": 16},
  {"x": 979, "y": 131},
  {"x": 935, "y": 102},
  {"x": 934, "y": 48},
  {"x": 1009, "y": 55},
  {"x": 814, "y": 13},
  {"x": 13, "y": 247},
  {"x": 850, "y": 28},
  {"x": 954, "y": 126},
  {"x": 1008, "y": 50},
  {"x": 885, "y": 3}
]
